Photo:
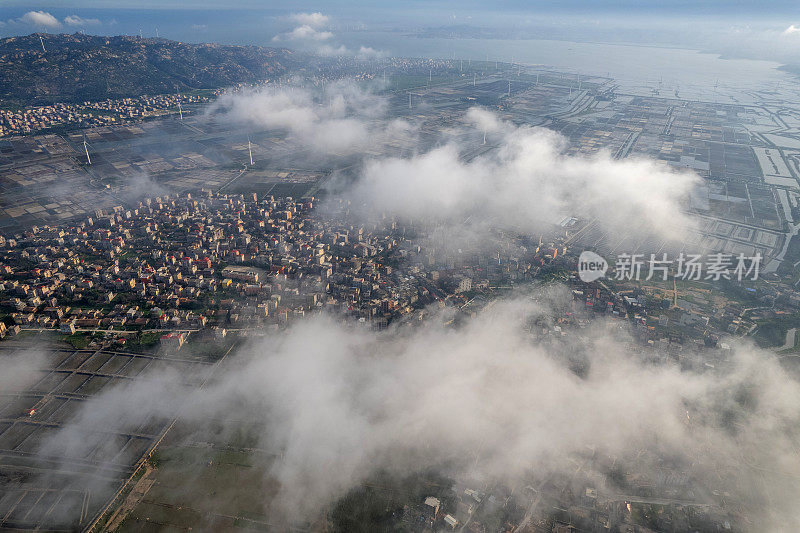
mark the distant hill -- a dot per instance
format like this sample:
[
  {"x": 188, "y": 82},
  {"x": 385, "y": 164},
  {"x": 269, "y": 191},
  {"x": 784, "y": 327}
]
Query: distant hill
[{"x": 81, "y": 67}]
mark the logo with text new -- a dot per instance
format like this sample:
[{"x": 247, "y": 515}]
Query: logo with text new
[{"x": 591, "y": 266}]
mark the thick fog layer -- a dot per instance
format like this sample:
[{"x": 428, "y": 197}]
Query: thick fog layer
[
  {"x": 339, "y": 118},
  {"x": 528, "y": 182},
  {"x": 491, "y": 399}
]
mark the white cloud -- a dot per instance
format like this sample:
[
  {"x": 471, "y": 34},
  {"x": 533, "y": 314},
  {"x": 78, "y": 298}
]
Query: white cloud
[
  {"x": 485, "y": 120},
  {"x": 310, "y": 28},
  {"x": 303, "y": 33},
  {"x": 307, "y": 32},
  {"x": 329, "y": 50},
  {"x": 792, "y": 30},
  {"x": 527, "y": 184},
  {"x": 316, "y": 20},
  {"x": 488, "y": 400},
  {"x": 338, "y": 119},
  {"x": 364, "y": 52},
  {"x": 493, "y": 403},
  {"x": 367, "y": 52},
  {"x": 75, "y": 20},
  {"x": 19, "y": 370},
  {"x": 40, "y": 18}
]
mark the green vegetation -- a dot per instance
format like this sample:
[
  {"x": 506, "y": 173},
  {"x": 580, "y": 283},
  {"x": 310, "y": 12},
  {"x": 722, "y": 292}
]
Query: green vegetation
[
  {"x": 143, "y": 342},
  {"x": 772, "y": 332},
  {"x": 211, "y": 350},
  {"x": 378, "y": 504},
  {"x": 238, "y": 484},
  {"x": 78, "y": 340},
  {"x": 155, "y": 459},
  {"x": 198, "y": 92}
]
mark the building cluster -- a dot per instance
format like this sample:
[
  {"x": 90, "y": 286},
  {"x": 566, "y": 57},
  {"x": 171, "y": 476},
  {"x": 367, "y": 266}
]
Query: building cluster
[
  {"x": 578, "y": 505},
  {"x": 87, "y": 114},
  {"x": 220, "y": 262},
  {"x": 33, "y": 119},
  {"x": 216, "y": 261},
  {"x": 122, "y": 110},
  {"x": 145, "y": 106},
  {"x": 658, "y": 319},
  {"x": 235, "y": 262}
]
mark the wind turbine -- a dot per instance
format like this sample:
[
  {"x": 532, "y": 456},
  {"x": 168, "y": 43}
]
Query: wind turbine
[{"x": 86, "y": 149}]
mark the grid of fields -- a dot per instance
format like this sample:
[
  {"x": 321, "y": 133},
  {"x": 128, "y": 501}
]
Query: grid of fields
[{"x": 57, "y": 469}]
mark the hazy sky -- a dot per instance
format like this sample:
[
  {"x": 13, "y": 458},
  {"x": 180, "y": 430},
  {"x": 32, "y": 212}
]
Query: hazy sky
[
  {"x": 712, "y": 6},
  {"x": 737, "y": 29},
  {"x": 449, "y": 9}
]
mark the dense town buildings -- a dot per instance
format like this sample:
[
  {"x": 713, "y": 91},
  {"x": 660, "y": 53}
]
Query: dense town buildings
[
  {"x": 86, "y": 114},
  {"x": 192, "y": 261}
]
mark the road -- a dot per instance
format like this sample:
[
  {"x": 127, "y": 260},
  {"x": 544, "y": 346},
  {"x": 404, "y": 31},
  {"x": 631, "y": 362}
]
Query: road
[
  {"x": 143, "y": 460},
  {"x": 652, "y": 501},
  {"x": 532, "y": 507},
  {"x": 241, "y": 173}
]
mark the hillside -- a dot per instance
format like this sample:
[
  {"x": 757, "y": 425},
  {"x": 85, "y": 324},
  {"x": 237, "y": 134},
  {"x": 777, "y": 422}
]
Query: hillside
[{"x": 81, "y": 67}]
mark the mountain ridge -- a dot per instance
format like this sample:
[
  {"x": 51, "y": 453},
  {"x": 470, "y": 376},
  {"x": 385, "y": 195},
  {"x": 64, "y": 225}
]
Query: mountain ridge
[{"x": 78, "y": 67}]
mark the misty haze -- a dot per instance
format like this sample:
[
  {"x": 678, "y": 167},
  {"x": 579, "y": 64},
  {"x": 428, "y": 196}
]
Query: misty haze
[{"x": 421, "y": 267}]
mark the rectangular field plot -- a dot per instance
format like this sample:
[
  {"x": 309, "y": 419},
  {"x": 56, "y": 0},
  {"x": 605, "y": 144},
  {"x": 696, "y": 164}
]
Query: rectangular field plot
[{"x": 58, "y": 467}]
